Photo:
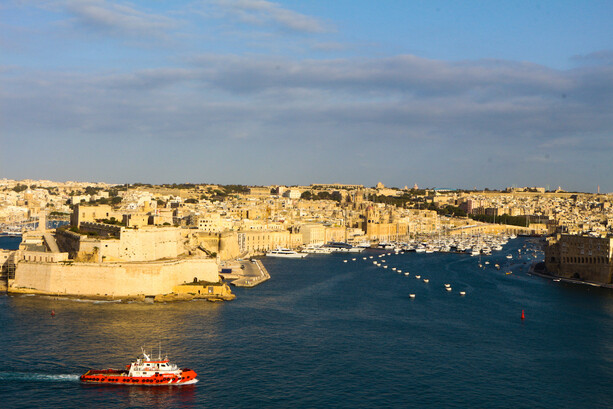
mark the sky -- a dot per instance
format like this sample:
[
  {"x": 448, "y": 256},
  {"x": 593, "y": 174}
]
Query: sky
[{"x": 444, "y": 94}]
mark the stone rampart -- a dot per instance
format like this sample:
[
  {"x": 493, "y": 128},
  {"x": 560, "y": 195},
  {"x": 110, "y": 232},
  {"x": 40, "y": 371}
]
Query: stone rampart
[
  {"x": 225, "y": 244},
  {"x": 110, "y": 279}
]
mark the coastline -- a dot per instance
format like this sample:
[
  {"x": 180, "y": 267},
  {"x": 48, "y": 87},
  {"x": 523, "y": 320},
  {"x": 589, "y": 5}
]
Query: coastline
[{"x": 550, "y": 276}]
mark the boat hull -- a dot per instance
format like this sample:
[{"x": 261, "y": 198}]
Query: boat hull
[
  {"x": 115, "y": 377},
  {"x": 296, "y": 255}
]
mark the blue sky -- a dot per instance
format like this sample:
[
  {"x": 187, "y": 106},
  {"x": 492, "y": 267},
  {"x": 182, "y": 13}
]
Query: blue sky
[{"x": 439, "y": 93}]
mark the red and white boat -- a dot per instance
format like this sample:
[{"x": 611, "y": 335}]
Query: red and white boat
[{"x": 143, "y": 371}]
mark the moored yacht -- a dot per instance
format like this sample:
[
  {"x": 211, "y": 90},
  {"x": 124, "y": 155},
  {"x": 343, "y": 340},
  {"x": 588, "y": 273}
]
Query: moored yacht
[
  {"x": 285, "y": 253},
  {"x": 342, "y": 247},
  {"x": 313, "y": 249}
]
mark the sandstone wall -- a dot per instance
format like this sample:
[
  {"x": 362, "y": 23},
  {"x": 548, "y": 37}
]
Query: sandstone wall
[
  {"x": 124, "y": 279},
  {"x": 228, "y": 246},
  {"x": 149, "y": 244},
  {"x": 225, "y": 244}
]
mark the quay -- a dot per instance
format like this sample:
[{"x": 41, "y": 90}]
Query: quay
[
  {"x": 539, "y": 272},
  {"x": 253, "y": 273}
]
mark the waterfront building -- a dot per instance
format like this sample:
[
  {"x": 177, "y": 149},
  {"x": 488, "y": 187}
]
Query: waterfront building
[
  {"x": 586, "y": 257},
  {"x": 258, "y": 242},
  {"x": 313, "y": 234}
]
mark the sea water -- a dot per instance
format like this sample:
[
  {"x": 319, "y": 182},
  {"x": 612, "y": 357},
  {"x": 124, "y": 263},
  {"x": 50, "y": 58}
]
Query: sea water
[{"x": 325, "y": 333}]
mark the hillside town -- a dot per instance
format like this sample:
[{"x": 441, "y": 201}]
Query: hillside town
[{"x": 188, "y": 232}]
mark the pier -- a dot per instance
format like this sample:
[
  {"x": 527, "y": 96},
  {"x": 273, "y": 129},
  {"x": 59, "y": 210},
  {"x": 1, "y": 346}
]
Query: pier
[{"x": 254, "y": 273}]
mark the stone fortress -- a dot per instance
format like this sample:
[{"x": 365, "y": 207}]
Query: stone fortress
[{"x": 104, "y": 261}]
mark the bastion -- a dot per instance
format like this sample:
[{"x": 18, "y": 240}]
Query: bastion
[
  {"x": 110, "y": 279},
  {"x": 101, "y": 261}
]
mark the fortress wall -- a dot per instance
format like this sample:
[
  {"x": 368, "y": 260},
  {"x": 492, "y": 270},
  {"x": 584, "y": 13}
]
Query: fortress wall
[
  {"x": 149, "y": 244},
  {"x": 68, "y": 241},
  {"x": 123, "y": 279},
  {"x": 224, "y": 244},
  {"x": 146, "y": 244},
  {"x": 228, "y": 246},
  {"x": 209, "y": 241},
  {"x": 587, "y": 272}
]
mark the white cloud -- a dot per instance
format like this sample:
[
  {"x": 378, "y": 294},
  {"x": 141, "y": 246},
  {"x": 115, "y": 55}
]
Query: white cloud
[
  {"x": 117, "y": 18},
  {"x": 262, "y": 12}
]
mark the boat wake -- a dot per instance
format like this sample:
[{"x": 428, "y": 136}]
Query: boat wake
[{"x": 37, "y": 377}]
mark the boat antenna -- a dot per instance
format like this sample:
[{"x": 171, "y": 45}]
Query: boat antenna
[{"x": 159, "y": 350}]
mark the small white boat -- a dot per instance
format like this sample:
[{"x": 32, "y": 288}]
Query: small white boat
[
  {"x": 384, "y": 266},
  {"x": 353, "y": 259},
  {"x": 418, "y": 277},
  {"x": 448, "y": 285},
  {"x": 426, "y": 280},
  {"x": 406, "y": 274},
  {"x": 344, "y": 261},
  {"x": 448, "y": 288},
  {"x": 557, "y": 280},
  {"x": 462, "y": 292},
  {"x": 411, "y": 295}
]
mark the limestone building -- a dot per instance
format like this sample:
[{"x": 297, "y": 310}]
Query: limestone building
[{"x": 584, "y": 258}]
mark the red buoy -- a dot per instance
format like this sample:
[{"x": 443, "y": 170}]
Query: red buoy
[
  {"x": 523, "y": 317},
  {"x": 53, "y": 313}
]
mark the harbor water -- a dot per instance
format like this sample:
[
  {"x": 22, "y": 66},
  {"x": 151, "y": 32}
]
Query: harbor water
[{"x": 323, "y": 332}]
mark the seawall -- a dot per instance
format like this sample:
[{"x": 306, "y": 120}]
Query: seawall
[{"x": 110, "y": 280}]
